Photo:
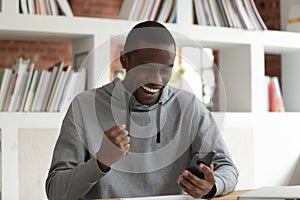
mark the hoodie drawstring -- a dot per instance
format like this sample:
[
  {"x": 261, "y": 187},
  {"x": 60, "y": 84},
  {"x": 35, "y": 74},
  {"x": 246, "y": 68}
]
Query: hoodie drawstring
[
  {"x": 128, "y": 108},
  {"x": 128, "y": 113},
  {"x": 158, "y": 122}
]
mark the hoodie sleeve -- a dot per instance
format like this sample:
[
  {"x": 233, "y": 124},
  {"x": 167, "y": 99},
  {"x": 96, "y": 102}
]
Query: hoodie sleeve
[
  {"x": 207, "y": 139},
  {"x": 73, "y": 171}
]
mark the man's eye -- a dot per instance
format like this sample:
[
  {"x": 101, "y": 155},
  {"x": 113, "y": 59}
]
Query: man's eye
[{"x": 166, "y": 71}]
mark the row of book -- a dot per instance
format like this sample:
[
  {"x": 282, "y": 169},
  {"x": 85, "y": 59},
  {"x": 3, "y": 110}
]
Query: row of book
[
  {"x": 241, "y": 14},
  {"x": 24, "y": 88},
  {"x": 45, "y": 7},
  {"x": 155, "y": 10},
  {"x": 275, "y": 99}
]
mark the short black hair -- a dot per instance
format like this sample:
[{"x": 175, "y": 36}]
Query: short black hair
[{"x": 149, "y": 31}]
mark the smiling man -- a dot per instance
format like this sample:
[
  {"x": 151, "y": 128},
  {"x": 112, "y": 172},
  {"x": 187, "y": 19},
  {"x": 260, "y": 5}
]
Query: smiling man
[{"x": 135, "y": 137}]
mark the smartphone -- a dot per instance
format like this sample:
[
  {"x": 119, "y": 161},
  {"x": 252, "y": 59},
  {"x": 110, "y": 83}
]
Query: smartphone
[{"x": 198, "y": 158}]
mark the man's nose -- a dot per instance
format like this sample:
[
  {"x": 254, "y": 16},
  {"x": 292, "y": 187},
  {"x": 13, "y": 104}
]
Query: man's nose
[{"x": 156, "y": 77}]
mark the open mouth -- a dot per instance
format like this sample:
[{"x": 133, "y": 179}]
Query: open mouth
[{"x": 149, "y": 90}]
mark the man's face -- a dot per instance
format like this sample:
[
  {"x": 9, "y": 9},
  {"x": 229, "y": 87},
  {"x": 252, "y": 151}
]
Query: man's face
[{"x": 148, "y": 71}]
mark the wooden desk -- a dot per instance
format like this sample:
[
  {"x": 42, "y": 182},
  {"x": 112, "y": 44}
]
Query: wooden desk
[{"x": 230, "y": 196}]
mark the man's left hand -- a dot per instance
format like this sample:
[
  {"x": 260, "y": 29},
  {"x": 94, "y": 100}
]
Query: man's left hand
[{"x": 195, "y": 186}]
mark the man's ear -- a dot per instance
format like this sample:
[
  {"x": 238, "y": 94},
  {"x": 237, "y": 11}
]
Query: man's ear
[{"x": 124, "y": 60}]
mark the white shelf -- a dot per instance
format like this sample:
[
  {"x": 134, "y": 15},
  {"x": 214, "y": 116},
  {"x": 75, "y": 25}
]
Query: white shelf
[
  {"x": 10, "y": 124},
  {"x": 31, "y": 119}
]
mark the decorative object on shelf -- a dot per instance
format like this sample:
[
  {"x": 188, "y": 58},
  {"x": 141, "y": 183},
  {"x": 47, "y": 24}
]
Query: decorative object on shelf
[{"x": 294, "y": 19}]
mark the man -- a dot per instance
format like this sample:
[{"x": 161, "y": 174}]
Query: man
[{"x": 136, "y": 137}]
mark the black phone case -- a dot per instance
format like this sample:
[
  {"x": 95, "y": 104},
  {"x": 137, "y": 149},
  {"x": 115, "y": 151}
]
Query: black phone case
[{"x": 205, "y": 158}]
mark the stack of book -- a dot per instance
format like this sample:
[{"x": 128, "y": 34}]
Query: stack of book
[
  {"x": 154, "y": 10},
  {"x": 45, "y": 7},
  {"x": 241, "y": 14},
  {"x": 23, "y": 88}
]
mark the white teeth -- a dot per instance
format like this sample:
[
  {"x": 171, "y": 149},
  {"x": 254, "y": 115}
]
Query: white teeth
[{"x": 150, "y": 89}]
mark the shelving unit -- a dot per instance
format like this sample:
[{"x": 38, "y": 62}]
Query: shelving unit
[{"x": 255, "y": 137}]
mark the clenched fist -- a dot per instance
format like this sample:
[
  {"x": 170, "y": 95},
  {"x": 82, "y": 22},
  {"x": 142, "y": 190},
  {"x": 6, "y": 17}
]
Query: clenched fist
[{"x": 115, "y": 145}]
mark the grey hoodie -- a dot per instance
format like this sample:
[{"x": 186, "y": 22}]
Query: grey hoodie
[{"x": 163, "y": 139}]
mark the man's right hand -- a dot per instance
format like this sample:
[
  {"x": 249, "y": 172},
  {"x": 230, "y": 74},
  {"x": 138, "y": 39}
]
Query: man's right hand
[{"x": 115, "y": 145}]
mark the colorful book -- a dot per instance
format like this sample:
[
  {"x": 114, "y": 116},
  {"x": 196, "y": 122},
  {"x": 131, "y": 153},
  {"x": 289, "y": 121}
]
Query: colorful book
[{"x": 276, "y": 99}]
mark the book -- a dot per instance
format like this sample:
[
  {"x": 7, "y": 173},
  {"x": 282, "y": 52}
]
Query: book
[
  {"x": 257, "y": 15},
  {"x": 65, "y": 7},
  {"x": 236, "y": 23},
  {"x": 32, "y": 89},
  {"x": 42, "y": 92},
  {"x": 38, "y": 91},
  {"x": 37, "y": 7},
  {"x": 31, "y": 71},
  {"x": 148, "y": 10},
  {"x": 19, "y": 66},
  {"x": 208, "y": 14},
  {"x": 172, "y": 16},
  {"x": 276, "y": 99},
  {"x": 53, "y": 7},
  {"x": 24, "y": 86},
  {"x": 43, "y": 8},
  {"x": 272, "y": 193},
  {"x": 55, "y": 89},
  {"x": 252, "y": 15},
  {"x": 4, "y": 86},
  {"x": 31, "y": 7},
  {"x": 68, "y": 92},
  {"x": 135, "y": 10},
  {"x": 9, "y": 92},
  {"x": 54, "y": 72},
  {"x": 165, "y": 10},
  {"x": 216, "y": 13},
  {"x": 155, "y": 10},
  {"x": 199, "y": 12},
  {"x": 293, "y": 23},
  {"x": 60, "y": 89},
  {"x": 142, "y": 10},
  {"x": 126, "y": 8},
  {"x": 224, "y": 4},
  {"x": 243, "y": 15},
  {"x": 24, "y": 8},
  {"x": 223, "y": 13},
  {"x": 75, "y": 84}
]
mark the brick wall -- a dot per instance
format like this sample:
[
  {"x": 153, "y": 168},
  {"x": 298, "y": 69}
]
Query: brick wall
[
  {"x": 45, "y": 54},
  {"x": 96, "y": 8}
]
